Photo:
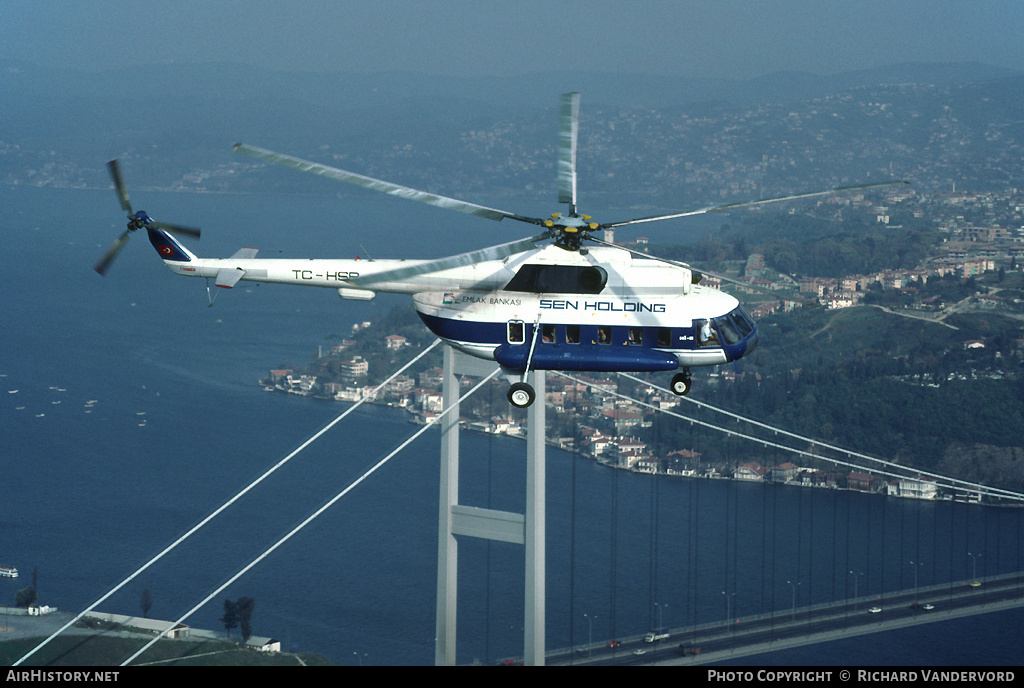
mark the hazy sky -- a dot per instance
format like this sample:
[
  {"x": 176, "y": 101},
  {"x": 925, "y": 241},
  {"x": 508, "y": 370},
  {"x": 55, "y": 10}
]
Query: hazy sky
[{"x": 730, "y": 38}]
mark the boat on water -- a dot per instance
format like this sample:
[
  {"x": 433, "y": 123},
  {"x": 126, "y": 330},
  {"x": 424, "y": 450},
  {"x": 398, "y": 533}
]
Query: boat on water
[{"x": 8, "y": 572}]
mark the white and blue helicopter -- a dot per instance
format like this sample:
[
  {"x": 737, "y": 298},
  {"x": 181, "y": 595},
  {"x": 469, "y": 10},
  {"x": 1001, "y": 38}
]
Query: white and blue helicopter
[{"x": 548, "y": 302}]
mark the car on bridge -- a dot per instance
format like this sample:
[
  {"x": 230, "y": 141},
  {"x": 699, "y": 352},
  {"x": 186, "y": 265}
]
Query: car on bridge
[
  {"x": 875, "y": 610},
  {"x": 687, "y": 649}
]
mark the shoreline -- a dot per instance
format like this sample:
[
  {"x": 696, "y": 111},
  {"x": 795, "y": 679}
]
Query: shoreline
[{"x": 720, "y": 472}]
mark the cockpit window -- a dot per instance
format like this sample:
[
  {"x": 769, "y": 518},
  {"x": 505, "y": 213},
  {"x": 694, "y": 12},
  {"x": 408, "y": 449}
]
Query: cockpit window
[
  {"x": 744, "y": 323},
  {"x": 569, "y": 279},
  {"x": 730, "y": 335}
]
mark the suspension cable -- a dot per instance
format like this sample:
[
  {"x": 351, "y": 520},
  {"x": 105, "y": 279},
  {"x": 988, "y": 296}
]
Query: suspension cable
[
  {"x": 226, "y": 504},
  {"x": 312, "y": 517},
  {"x": 963, "y": 484},
  {"x": 966, "y": 485},
  {"x": 957, "y": 483}
]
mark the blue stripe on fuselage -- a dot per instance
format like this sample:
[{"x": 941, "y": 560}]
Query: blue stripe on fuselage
[
  {"x": 586, "y": 354},
  {"x": 465, "y": 330},
  {"x": 589, "y": 357}
]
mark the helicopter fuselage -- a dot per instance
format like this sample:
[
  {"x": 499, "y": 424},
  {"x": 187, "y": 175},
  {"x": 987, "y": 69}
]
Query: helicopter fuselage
[{"x": 546, "y": 308}]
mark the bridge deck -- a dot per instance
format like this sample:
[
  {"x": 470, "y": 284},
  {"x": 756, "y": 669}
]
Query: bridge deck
[{"x": 742, "y": 637}]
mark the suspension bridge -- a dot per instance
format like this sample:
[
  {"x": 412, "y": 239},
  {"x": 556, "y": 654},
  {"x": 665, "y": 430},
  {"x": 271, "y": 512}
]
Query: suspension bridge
[{"x": 732, "y": 568}]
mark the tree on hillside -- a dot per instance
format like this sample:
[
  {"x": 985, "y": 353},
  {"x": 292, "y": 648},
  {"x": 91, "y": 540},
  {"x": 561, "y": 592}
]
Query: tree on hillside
[
  {"x": 239, "y": 613},
  {"x": 25, "y": 597},
  {"x": 244, "y": 607},
  {"x": 146, "y": 603},
  {"x": 230, "y": 618}
]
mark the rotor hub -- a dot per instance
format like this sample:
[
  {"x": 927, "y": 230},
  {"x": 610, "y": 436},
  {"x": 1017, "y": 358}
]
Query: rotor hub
[
  {"x": 138, "y": 220},
  {"x": 569, "y": 231}
]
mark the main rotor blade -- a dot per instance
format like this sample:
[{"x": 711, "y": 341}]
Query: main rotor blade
[
  {"x": 567, "y": 138},
  {"x": 765, "y": 201},
  {"x": 461, "y": 260},
  {"x": 115, "y": 248},
  {"x": 382, "y": 186},
  {"x": 724, "y": 278},
  {"x": 122, "y": 193}
]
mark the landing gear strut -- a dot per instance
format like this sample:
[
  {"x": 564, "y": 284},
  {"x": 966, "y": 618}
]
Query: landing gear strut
[
  {"x": 521, "y": 395},
  {"x": 681, "y": 383}
]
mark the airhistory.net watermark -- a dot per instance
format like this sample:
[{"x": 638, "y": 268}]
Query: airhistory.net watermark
[{"x": 51, "y": 675}]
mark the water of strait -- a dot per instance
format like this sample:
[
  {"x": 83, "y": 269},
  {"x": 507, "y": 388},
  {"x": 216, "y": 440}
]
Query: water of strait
[{"x": 136, "y": 413}]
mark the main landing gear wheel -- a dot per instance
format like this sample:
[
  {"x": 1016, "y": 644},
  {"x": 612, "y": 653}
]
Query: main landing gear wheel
[
  {"x": 681, "y": 384},
  {"x": 521, "y": 395}
]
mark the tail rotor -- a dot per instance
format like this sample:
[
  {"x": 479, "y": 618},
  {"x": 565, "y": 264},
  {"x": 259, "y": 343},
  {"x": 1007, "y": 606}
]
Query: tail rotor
[{"x": 136, "y": 220}]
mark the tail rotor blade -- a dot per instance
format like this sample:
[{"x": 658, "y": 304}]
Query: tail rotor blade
[
  {"x": 567, "y": 137},
  {"x": 122, "y": 193},
  {"x": 111, "y": 254},
  {"x": 175, "y": 229}
]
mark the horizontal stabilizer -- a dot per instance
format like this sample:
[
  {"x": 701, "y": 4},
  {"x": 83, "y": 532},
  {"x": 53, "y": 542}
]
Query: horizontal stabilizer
[
  {"x": 228, "y": 277},
  {"x": 245, "y": 253}
]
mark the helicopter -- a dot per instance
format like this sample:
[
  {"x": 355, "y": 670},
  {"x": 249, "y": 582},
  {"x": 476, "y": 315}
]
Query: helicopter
[{"x": 562, "y": 299}]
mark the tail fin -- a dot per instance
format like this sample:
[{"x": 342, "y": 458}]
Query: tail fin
[{"x": 169, "y": 248}]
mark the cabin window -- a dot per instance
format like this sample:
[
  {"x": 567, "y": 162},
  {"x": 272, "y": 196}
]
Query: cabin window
[
  {"x": 516, "y": 332},
  {"x": 664, "y": 336},
  {"x": 572, "y": 334},
  {"x": 547, "y": 334},
  {"x": 604, "y": 334},
  {"x": 567, "y": 279},
  {"x": 636, "y": 336}
]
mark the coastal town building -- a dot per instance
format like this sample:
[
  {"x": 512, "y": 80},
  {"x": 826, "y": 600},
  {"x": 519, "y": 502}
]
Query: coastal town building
[
  {"x": 395, "y": 342},
  {"x": 354, "y": 368},
  {"x": 750, "y": 471},
  {"x": 914, "y": 488}
]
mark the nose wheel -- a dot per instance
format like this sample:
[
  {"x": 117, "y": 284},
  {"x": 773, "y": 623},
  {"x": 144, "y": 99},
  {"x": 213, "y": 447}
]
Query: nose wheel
[
  {"x": 521, "y": 395},
  {"x": 681, "y": 383}
]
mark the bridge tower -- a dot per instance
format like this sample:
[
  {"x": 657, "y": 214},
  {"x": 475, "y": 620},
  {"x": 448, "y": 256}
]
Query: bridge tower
[{"x": 459, "y": 520}]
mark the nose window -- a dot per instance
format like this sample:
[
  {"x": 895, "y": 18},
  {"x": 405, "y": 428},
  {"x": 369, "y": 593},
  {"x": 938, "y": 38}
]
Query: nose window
[
  {"x": 730, "y": 335},
  {"x": 742, "y": 321}
]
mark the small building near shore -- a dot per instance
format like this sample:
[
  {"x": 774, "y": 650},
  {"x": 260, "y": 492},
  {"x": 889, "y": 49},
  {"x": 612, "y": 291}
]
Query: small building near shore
[
  {"x": 865, "y": 482},
  {"x": 750, "y": 471},
  {"x": 914, "y": 488},
  {"x": 154, "y": 625}
]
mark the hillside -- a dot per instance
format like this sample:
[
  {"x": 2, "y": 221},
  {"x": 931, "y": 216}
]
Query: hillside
[
  {"x": 643, "y": 141},
  {"x": 886, "y": 385}
]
